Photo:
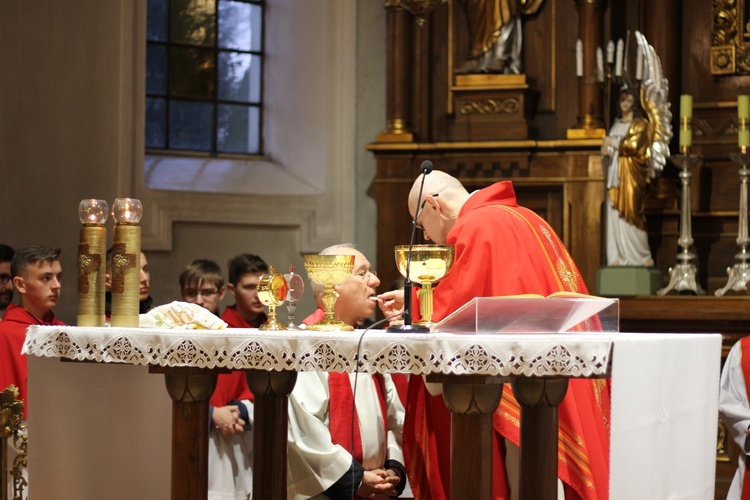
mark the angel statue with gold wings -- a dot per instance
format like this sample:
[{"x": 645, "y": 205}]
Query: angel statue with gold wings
[{"x": 634, "y": 151}]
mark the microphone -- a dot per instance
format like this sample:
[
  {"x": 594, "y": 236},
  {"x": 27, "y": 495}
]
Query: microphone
[{"x": 407, "y": 327}]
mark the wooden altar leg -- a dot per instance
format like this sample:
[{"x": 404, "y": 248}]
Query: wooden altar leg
[
  {"x": 472, "y": 406},
  {"x": 190, "y": 390},
  {"x": 539, "y": 400},
  {"x": 270, "y": 424}
]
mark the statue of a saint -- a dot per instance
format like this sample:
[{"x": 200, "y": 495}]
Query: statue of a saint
[{"x": 495, "y": 36}]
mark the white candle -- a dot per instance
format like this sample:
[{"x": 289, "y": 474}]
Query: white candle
[
  {"x": 610, "y": 52},
  {"x": 618, "y": 57},
  {"x": 639, "y": 65},
  {"x": 599, "y": 64},
  {"x": 579, "y": 58}
]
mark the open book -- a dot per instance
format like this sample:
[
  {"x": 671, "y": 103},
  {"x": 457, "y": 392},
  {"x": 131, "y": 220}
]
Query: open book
[{"x": 558, "y": 312}]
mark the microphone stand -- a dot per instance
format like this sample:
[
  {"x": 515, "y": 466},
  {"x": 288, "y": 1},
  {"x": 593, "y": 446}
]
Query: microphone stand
[{"x": 407, "y": 327}]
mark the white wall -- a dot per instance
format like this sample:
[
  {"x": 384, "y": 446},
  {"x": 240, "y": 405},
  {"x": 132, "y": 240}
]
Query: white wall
[
  {"x": 71, "y": 127},
  {"x": 71, "y": 102}
]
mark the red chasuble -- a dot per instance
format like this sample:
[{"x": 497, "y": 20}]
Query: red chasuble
[
  {"x": 13, "y": 364},
  {"x": 233, "y": 386},
  {"x": 503, "y": 249}
]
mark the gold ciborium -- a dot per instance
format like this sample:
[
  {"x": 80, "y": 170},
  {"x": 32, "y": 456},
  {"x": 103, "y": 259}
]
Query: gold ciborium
[
  {"x": 428, "y": 265},
  {"x": 272, "y": 291},
  {"x": 329, "y": 271}
]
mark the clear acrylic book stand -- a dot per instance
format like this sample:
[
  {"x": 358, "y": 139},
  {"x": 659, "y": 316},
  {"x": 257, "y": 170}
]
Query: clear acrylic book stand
[{"x": 534, "y": 314}]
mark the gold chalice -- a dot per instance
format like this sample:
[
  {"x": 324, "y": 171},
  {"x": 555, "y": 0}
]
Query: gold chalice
[
  {"x": 329, "y": 271},
  {"x": 429, "y": 264},
  {"x": 272, "y": 291}
]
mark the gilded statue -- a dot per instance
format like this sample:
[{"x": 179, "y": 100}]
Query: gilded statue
[
  {"x": 632, "y": 154},
  {"x": 495, "y": 36}
]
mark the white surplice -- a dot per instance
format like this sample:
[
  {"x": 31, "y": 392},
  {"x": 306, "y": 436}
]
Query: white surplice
[
  {"x": 230, "y": 463},
  {"x": 735, "y": 411},
  {"x": 314, "y": 462}
]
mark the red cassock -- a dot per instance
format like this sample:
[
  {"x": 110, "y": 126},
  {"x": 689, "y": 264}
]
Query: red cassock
[
  {"x": 233, "y": 386},
  {"x": 13, "y": 364},
  {"x": 503, "y": 249}
]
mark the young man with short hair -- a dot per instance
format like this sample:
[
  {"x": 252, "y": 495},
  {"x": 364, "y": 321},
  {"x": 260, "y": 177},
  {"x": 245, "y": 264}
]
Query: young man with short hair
[
  {"x": 37, "y": 277},
  {"x": 6, "y": 281},
  {"x": 202, "y": 283},
  {"x": 230, "y": 451},
  {"x": 245, "y": 271}
]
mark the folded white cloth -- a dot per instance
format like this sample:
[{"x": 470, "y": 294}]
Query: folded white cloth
[{"x": 181, "y": 315}]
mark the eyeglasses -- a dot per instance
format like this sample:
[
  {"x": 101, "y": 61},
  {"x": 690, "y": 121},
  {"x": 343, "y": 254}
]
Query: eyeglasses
[
  {"x": 206, "y": 293},
  {"x": 419, "y": 213},
  {"x": 4, "y": 278},
  {"x": 365, "y": 275}
]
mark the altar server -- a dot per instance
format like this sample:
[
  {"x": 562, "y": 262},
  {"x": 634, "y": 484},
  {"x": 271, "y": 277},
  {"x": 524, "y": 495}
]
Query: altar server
[
  {"x": 37, "y": 277},
  {"x": 734, "y": 411}
]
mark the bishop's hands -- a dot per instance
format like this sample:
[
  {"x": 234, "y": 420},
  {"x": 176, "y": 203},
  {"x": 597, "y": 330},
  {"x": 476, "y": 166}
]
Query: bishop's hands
[
  {"x": 392, "y": 304},
  {"x": 379, "y": 484},
  {"x": 227, "y": 421}
]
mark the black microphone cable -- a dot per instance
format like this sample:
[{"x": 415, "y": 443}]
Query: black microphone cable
[{"x": 354, "y": 390}]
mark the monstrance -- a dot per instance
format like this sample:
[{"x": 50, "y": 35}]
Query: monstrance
[{"x": 272, "y": 291}]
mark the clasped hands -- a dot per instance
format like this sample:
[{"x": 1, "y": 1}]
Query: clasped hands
[
  {"x": 227, "y": 421},
  {"x": 379, "y": 484}
]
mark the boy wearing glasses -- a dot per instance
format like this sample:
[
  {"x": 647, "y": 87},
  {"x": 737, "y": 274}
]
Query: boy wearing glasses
[
  {"x": 202, "y": 283},
  {"x": 230, "y": 451}
]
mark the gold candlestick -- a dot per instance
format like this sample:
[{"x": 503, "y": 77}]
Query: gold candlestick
[
  {"x": 92, "y": 245},
  {"x": 126, "y": 262},
  {"x": 329, "y": 271}
]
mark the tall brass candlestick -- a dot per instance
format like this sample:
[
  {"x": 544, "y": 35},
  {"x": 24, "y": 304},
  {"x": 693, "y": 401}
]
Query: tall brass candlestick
[
  {"x": 126, "y": 262},
  {"x": 92, "y": 245}
]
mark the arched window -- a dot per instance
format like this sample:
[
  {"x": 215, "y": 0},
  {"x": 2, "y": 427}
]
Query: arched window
[{"x": 204, "y": 61}]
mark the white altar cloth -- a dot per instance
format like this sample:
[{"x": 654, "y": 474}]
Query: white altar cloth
[
  {"x": 664, "y": 391},
  {"x": 570, "y": 355}
]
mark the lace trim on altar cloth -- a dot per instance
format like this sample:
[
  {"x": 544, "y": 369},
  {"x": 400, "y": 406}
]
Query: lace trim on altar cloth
[{"x": 568, "y": 355}]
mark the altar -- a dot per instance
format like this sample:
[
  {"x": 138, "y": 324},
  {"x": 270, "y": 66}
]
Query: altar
[{"x": 664, "y": 396}]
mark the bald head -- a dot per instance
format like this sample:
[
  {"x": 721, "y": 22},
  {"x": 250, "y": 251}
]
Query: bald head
[
  {"x": 443, "y": 197},
  {"x": 449, "y": 189}
]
